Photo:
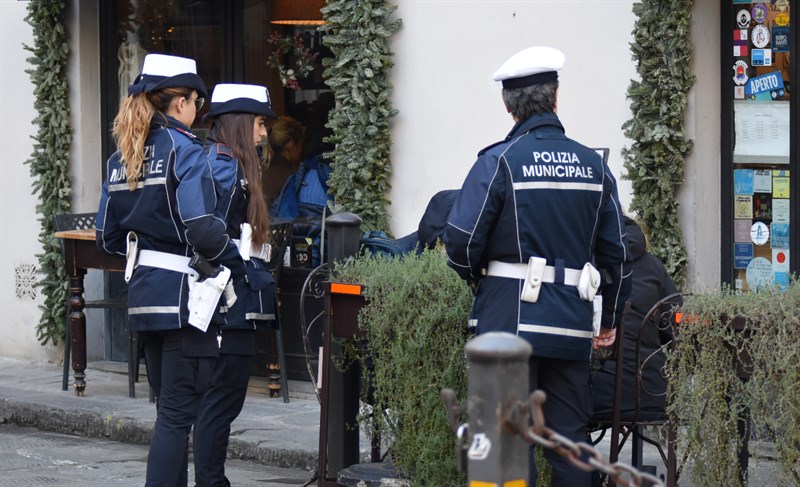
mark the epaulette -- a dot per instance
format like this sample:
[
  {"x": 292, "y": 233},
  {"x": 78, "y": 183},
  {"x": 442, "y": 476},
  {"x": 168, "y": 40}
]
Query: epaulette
[
  {"x": 224, "y": 151},
  {"x": 482, "y": 151},
  {"x": 191, "y": 136}
]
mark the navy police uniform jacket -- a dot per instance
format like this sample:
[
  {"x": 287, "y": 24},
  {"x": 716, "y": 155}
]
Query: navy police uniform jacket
[
  {"x": 172, "y": 210},
  {"x": 255, "y": 303},
  {"x": 540, "y": 194}
]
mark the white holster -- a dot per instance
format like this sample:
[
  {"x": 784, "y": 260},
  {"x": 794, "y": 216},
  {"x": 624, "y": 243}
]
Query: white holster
[
  {"x": 204, "y": 297},
  {"x": 131, "y": 254},
  {"x": 246, "y": 247},
  {"x": 533, "y": 279},
  {"x": 589, "y": 282}
]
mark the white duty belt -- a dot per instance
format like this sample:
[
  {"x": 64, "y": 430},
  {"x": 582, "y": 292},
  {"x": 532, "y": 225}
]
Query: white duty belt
[
  {"x": 519, "y": 271},
  {"x": 164, "y": 260},
  {"x": 536, "y": 272}
]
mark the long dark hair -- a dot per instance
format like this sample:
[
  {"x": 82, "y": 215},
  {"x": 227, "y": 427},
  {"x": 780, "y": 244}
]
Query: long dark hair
[{"x": 236, "y": 131}]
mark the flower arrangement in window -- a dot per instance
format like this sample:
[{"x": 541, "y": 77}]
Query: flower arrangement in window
[{"x": 300, "y": 59}]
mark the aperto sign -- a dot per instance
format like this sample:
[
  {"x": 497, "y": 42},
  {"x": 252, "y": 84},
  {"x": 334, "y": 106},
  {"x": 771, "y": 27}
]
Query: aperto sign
[{"x": 771, "y": 83}]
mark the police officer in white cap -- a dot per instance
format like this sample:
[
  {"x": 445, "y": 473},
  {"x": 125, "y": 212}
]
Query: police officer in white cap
[
  {"x": 240, "y": 115},
  {"x": 537, "y": 218},
  {"x": 157, "y": 207}
]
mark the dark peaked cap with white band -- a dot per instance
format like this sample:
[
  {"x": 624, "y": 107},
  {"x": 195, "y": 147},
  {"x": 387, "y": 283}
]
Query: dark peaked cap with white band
[
  {"x": 239, "y": 98},
  {"x": 161, "y": 71},
  {"x": 537, "y": 64}
]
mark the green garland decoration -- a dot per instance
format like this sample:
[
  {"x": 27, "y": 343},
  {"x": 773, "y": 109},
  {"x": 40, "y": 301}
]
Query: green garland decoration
[
  {"x": 662, "y": 49},
  {"x": 357, "y": 32},
  {"x": 49, "y": 162}
]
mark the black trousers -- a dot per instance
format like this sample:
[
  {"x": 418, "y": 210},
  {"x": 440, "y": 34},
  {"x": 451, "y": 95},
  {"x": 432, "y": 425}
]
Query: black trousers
[
  {"x": 567, "y": 410},
  {"x": 221, "y": 404},
  {"x": 179, "y": 368}
]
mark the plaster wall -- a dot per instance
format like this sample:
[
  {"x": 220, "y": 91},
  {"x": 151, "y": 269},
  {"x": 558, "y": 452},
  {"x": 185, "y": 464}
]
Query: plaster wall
[
  {"x": 700, "y": 195},
  {"x": 20, "y": 225},
  {"x": 450, "y": 108}
]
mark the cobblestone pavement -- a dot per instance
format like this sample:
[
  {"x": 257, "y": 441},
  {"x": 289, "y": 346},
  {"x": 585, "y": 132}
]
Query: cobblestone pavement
[{"x": 32, "y": 458}]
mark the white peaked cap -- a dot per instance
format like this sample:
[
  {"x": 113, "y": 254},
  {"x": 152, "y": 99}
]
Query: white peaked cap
[
  {"x": 240, "y": 98},
  {"x": 537, "y": 64},
  {"x": 228, "y": 91},
  {"x": 167, "y": 66},
  {"x": 161, "y": 71}
]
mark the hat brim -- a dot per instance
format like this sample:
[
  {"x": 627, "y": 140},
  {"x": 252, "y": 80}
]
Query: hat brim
[
  {"x": 147, "y": 83},
  {"x": 241, "y": 105}
]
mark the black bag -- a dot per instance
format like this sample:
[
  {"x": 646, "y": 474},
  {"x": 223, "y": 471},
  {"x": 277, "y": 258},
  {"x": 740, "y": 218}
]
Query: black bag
[{"x": 378, "y": 243}]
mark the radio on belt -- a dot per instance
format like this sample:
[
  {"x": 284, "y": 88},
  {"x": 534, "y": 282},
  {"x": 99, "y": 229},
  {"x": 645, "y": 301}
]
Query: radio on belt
[{"x": 203, "y": 267}]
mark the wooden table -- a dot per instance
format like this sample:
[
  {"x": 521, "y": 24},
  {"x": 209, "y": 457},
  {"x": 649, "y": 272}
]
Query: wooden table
[{"x": 81, "y": 253}]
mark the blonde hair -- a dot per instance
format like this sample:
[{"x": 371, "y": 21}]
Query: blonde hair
[
  {"x": 132, "y": 126},
  {"x": 285, "y": 130}
]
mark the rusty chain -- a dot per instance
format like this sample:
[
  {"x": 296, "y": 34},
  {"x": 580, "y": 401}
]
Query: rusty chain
[
  {"x": 515, "y": 418},
  {"x": 621, "y": 473}
]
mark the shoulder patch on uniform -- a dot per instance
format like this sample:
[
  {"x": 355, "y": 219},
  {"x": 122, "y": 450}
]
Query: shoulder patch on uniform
[
  {"x": 224, "y": 150},
  {"x": 188, "y": 134}
]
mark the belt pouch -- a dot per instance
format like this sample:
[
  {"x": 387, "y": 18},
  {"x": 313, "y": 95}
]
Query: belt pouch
[
  {"x": 533, "y": 279},
  {"x": 589, "y": 282}
]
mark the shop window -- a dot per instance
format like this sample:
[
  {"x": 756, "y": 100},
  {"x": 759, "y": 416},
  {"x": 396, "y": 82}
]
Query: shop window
[{"x": 760, "y": 155}]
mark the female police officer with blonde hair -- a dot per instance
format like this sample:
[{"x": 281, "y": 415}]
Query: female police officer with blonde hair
[
  {"x": 239, "y": 116},
  {"x": 157, "y": 206}
]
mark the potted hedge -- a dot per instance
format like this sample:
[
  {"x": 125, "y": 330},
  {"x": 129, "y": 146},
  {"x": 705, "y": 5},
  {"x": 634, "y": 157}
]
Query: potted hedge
[
  {"x": 734, "y": 353},
  {"x": 414, "y": 322}
]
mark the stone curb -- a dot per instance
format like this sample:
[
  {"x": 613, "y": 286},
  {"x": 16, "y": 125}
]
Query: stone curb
[{"x": 136, "y": 431}]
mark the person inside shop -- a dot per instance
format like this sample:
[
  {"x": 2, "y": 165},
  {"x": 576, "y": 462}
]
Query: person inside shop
[
  {"x": 650, "y": 283},
  {"x": 535, "y": 220},
  {"x": 305, "y": 196},
  {"x": 305, "y": 193},
  {"x": 157, "y": 208},
  {"x": 239, "y": 116},
  {"x": 283, "y": 153}
]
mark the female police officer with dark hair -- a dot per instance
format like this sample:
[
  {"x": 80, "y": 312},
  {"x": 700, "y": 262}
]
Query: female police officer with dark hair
[
  {"x": 239, "y": 116},
  {"x": 157, "y": 206}
]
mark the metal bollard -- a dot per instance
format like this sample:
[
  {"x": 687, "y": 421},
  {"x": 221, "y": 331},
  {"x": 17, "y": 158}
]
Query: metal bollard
[
  {"x": 344, "y": 236},
  {"x": 498, "y": 381}
]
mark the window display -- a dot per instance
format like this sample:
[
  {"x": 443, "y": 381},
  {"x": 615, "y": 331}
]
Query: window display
[{"x": 761, "y": 156}]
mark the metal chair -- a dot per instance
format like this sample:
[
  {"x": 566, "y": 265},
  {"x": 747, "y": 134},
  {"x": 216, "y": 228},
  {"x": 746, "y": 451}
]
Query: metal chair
[
  {"x": 630, "y": 424},
  {"x": 84, "y": 221}
]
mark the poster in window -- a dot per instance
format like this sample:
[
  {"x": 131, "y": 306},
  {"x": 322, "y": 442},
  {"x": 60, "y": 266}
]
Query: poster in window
[
  {"x": 759, "y": 273},
  {"x": 741, "y": 230},
  {"x": 742, "y": 255},
  {"x": 743, "y": 181},
  {"x": 780, "y": 260},
  {"x": 762, "y": 181},
  {"x": 780, "y": 211},
  {"x": 743, "y": 206},
  {"x": 762, "y": 132},
  {"x": 780, "y": 184},
  {"x": 779, "y": 235}
]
